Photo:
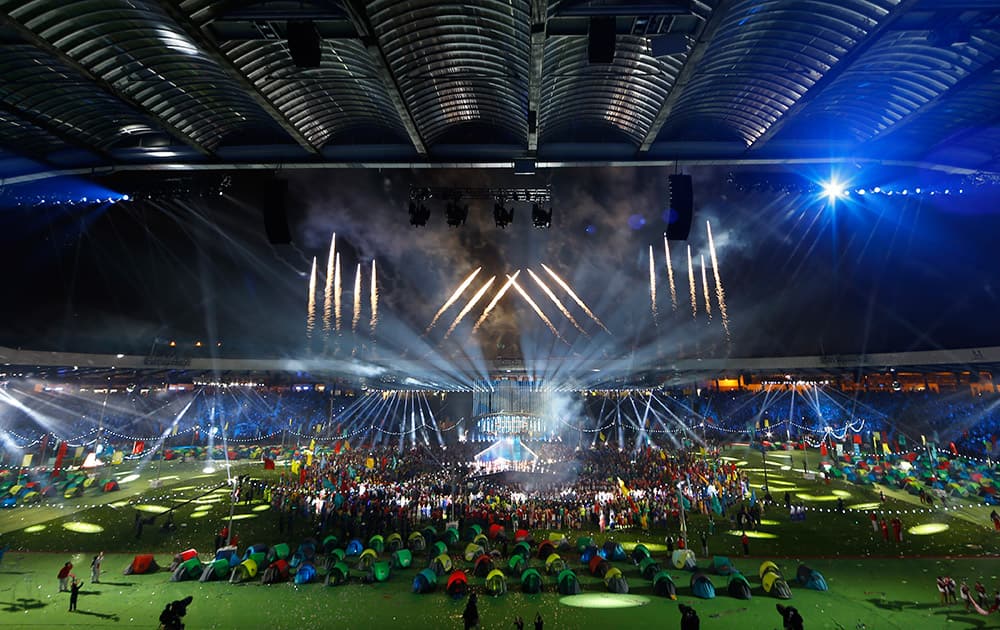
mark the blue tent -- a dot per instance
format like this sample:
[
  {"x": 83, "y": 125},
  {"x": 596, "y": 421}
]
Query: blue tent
[
  {"x": 354, "y": 548},
  {"x": 306, "y": 573},
  {"x": 229, "y": 555},
  {"x": 425, "y": 581},
  {"x": 613, "y": 551},
  {"x": 810, "y": 579},
  {"x": 589, "y": 552},
  {"x": 701, "y": 586}
]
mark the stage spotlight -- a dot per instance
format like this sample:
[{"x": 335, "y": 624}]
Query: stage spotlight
[
  {"x": 419, "y": 214},
  {"x": 539, "y": 217},
  {"x": 833, "y": 190},
  {"x": 455, "y": 214},
  {"x": 503, "y": 216}
]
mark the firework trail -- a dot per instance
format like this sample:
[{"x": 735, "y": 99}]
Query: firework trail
[
  {"x": 704, "y": 287},
  {"x": 495, "y": 300},
  {"x": 670, "y": 274},
  {"x": 336, "y": 294},
  {"x": 652, "y": 286},
  {"x": 694, "y": 293},
  {"x": 357, "y": 299},
  {"x": 328, "y": 289},
  {"x": 720, "y": 293},
  {"x": 374, "y": 301},
  {"x": 311, "y": 312},
  {"x": 555, "y": 300},
  {"x": 537, "y": 310},
  {"x": 575, "y": 298},
  {"x": 454, "y": 296},
  {"x": 471, "y": 305}
]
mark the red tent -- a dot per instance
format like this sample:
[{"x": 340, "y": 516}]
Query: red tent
[
  {"x": 144, "y": 563},
  {"x": 187, "y": 555},
  {"x": 496, "y": 530},
  {"x": 545, "y": 549},
  {"x": 458, "y": 583},
  {"x": 522, "y": 534}
]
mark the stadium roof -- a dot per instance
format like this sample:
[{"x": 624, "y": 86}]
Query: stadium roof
[{"x": 138, "y": 84}]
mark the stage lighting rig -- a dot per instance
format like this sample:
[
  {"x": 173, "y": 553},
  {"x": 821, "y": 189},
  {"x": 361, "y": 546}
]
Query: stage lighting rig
[
  {"x": 501, "y": 215},
  {"x": 419, "y": 214},
  {"x": 539, "y": 217},
  {"x": 455, "y": 212}
]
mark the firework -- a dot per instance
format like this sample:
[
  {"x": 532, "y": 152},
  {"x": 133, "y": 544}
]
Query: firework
[
  {"x": 720, "y": 293},
  {"x": 555, "y": 300},
  {"x": 357, "y": 299},
  {"x": 694, "y": 293},
  {"x": 336, "y": 293},
  {"x": 454, "y": 296},
  {"x": 704, "y": 287},
  {"x": 374, "y": 301},
  {"x": 471, "y": 305},
  {"x": 652, "y": 286},
  {"x": 311, "y": 311},
  {"x": 670, "y": 274},
  {"x": 541, "y": 314},
  {"x": 495, "y": 300},
  {"x": 576, "y": 298},
  {"x": 328, "y": 289}
]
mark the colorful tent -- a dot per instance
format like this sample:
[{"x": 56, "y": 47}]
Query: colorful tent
[
  {"x": 522, "y": 549},
  {"x": 187, "y": 570},
  {"x": 497, "y": 532},
  {"x": 377, "y": 543},
  {"x": 516, "y": 564},
  {"x": 568, "y": 583},
  {"x": 810, "y": 579},
  {"x": 701, "y": 586},
  {"x": 482, "y": 541},
  {"x": 684, "y": 559},
  {"x": 306, "y": 573},
  {"x": 394, "y": 542},
  {"x": 441, "y": 564},
  {"x": 277, "y": 572},
  {"x": 554, "y": 564},
  {"x": 522, "y": 534},
  {"x": 472, "y": 551},
  {"x": 583, "y": 542},
  {"x": 451, "y": 535},
  {"x": 589, "y": 552},
  {"x": 722, "y": 565},
  {"x": 639, "y": 554},
  {"x": 255, "y": 549},
  {"x": 531, "y": 581},
  {"x": 614, "y": 581},
  {"x": 228, "y": 554},
  {"x": 598, "y": 566},
  {"x": 246, "y": 570},
  {"x": 402, "y": 559},
  {"x": 458, "y": 584},
  {"x": 776, "y": 586},
  {"x": 649, "y": 568},
  {"x": 613, "y": 551},
  {"x": 496, "y": 583},
  {"x": 425, "y": 581},
  {"x": 329, "y": 543},
  {"x": 483, "y": 566},
  {"x": 767, "y": 567},
  {"x": 366, "y": 559},
  {"x": 354, "y": 548},
  {"x": 142, "y": 563},
  {"x": 439, "y": 548},
  {"x": 280, "y": 551},
  {"x": 472, "y": 531},
  {"x": 381, "y": 571},
  {"x": 738, "y": 586},
  {"x": 430, "y": 535},
  {"x": 337, "y": 574},
  {"x": 335, "y": 556},
  {"x": 663, "y": 585},
  {"x": 416, "y": 542},
  {"x": 215, "y": 570}
]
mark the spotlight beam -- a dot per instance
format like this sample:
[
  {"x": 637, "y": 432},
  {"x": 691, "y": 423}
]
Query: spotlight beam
[
  {"x": 328, "y": 288},
  {"x": 471, "y": 305},
  {"x": 555, "y": 300},
  {"x": 454, "y": 297},
  {"x": 575, "y": 298},
  {"x": 538, "y": 311},
  {"x": 495, "y": 300}
]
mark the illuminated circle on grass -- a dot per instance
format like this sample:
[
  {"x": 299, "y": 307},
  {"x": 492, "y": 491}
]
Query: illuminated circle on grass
[
  {"x": 153, "y": 509},
  {"x": 262, "y": 508},
  {"x": 928, "y": 529},
  {"x": 752, "y": 534},
  {"x": 603, "y": 600},
  {"x": 118, "y": 504},
  {"x": 128, "y": 478},
  {"x": 779, "y": 482},
  {"x": 865, "y": 506},
  {"x": 34, "y": 529},
  {"x": 208, "y": 500},
  {"x": 240, "y": 517},
  {"x": 184, "y": 488},
  {"x": 629, "y": 546},
  {"x": 817, "y": 497},
  {"x": 772, "y": 454},
  {"x": 199, "y": 514},
  {"x": 742, "y": 462},
  {"x": 786, "y": 468},
  {"x": 841, "y": 493},
  {"x": 83, "y": 528},
  {"x": 768, "y": 522}
]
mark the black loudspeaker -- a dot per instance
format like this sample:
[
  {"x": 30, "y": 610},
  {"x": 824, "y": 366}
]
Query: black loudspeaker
[
  {"x": 305, "y": 44},
  {"x": 272, "y": 200},
  {"x": 681, "y": 208},
  {"x": 601, "y": 41}
]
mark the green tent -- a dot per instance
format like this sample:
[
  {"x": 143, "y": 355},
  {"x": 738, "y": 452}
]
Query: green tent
[
  {"x": 394, "y": 542},
  {"x": 329, "y": 543},
  {"x": 531, "y": 581},
  {"x": 522, "y": 549},
  {"x": 402, "y": 558},
  {"x": 338, "y": 574},
  {"x": 640, "y": 553},
  {"x": 441, "y": 564},
  {"x": 377, "y": 543},
  {"x": 339, "y": 554},
  {"x": 583, "y": 542},
  {"x": 380, "y": 571},
  {"x": 472, "y": 551},
  {"x": 496, "y": 583},
  {"x": 568, "y": 583},
  {"x": 472, "y": 531},
  {"x": 482, "y": 541},
  {"x": 280, "y": 551},
  {"x": 649, "y": 568},
  {"x": 516, "y": 564},
  {"x": 439, "y": 548},
  {"x": 451, "y": 535}
]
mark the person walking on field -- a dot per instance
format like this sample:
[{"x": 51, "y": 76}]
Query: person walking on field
[
  {"x": 746, "y": 544},
  {"x": 64, "y": 576},
  {"x": 74, "y": 593},
  {"x": 95, "y": 568}
]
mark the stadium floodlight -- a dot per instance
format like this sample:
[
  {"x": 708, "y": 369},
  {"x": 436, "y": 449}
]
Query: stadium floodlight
[{"x": 833, "y": 190}]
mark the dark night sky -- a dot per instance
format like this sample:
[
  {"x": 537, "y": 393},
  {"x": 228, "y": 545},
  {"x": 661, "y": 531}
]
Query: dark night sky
[{"x": 801, "y": 276}]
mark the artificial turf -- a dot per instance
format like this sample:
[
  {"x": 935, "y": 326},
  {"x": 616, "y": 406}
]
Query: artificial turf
[{"x": 872, "y": 583}]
